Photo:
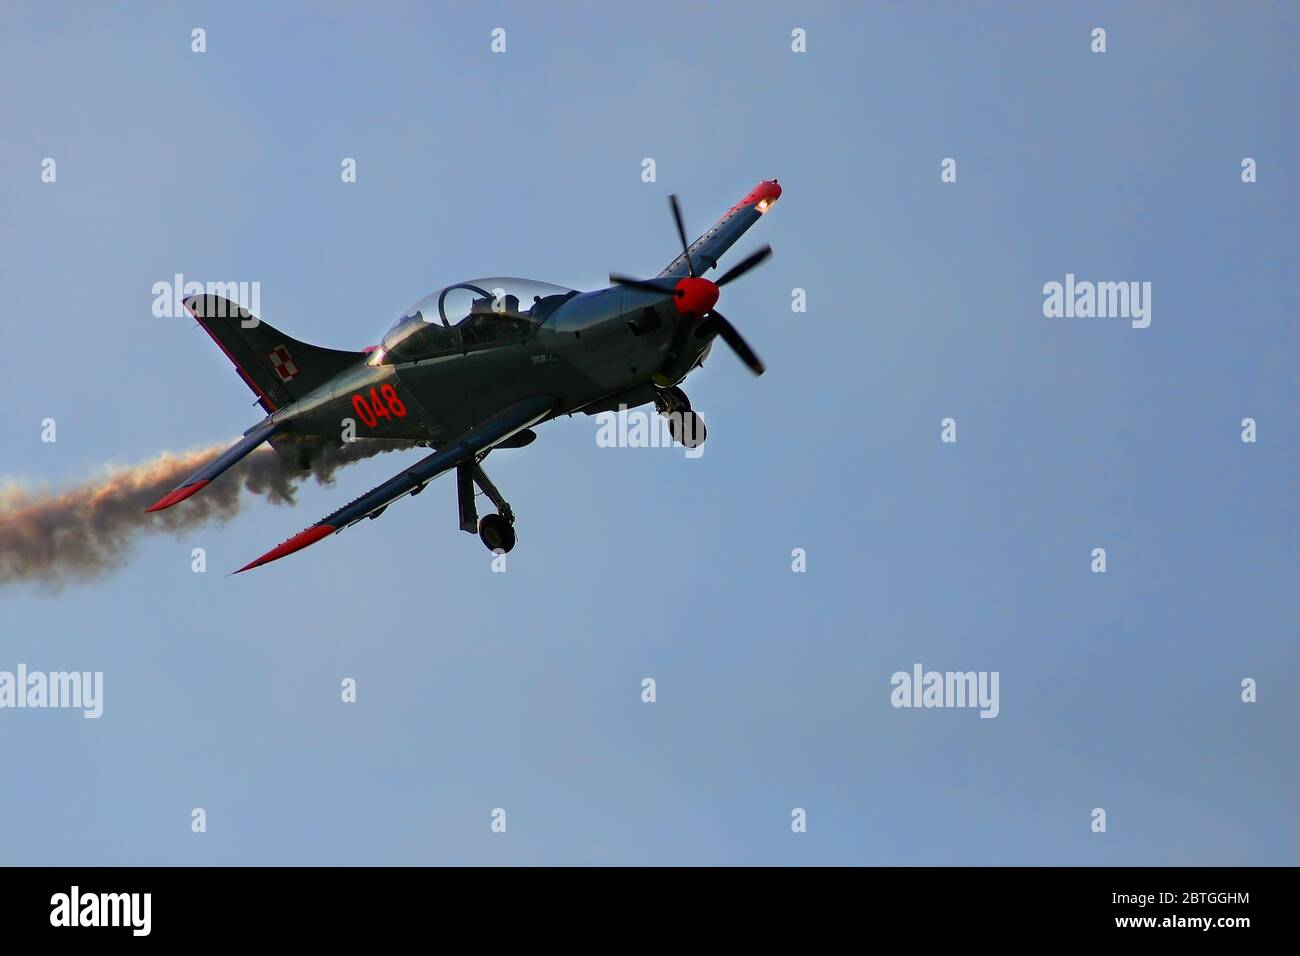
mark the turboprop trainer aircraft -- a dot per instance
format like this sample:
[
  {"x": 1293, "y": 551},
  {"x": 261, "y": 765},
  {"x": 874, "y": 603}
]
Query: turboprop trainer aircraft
[{"x": 478, "y": 365}]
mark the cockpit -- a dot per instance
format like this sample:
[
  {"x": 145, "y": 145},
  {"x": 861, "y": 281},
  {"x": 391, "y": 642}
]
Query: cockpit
[{"x": 467, "y": 316}]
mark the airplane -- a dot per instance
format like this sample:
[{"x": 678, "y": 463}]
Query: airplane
[{"x": 477, "y": 366}]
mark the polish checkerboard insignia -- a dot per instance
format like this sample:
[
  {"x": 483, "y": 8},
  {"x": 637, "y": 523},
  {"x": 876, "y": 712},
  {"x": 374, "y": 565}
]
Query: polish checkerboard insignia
[{"x": 283, "y": 364}]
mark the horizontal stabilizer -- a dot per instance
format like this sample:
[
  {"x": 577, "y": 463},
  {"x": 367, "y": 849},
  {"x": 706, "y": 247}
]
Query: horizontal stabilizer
[{"x": 216, "y": 466}]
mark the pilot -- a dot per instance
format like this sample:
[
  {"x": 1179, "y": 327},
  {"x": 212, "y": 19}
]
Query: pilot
[
  {"x": 506, "y": 305},
  {"x": 491, "y": 319}
]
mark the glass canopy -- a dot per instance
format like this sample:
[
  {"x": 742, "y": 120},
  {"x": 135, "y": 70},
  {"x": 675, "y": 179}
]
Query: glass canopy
[{"x": 469, "y": 315}]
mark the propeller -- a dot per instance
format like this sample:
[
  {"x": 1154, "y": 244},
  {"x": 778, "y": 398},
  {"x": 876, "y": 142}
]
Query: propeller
[
  {"x": 744, "y": 265},
  {"x": 649, "y": 285},
  {"x": 676, "y": 207},
  {"x": 727, "y": 331},
  {"x": 695, "y": 296}
]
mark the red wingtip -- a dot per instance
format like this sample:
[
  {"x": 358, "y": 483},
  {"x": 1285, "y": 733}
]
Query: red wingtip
[
  {"x": 180, "y": 494},
  {"x": 764, "y": 195},
  {"x": 296, "y": 543},
  {"x": 768, "y": 189}
]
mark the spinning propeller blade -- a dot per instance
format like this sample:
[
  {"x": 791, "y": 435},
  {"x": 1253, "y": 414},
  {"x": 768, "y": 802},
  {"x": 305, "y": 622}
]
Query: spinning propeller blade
[
  {"x": 744, "y": 265},
  {"x": 635, "y": 283},
  {"x": 676, "y": 207},
  {"x": 733, "y": 338},
  {"x": 713, "y": 322}
]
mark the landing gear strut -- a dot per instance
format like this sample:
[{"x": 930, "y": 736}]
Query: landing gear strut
[
  {"x": 496, "y": 531},
  {"x": 686, "y": 426}
]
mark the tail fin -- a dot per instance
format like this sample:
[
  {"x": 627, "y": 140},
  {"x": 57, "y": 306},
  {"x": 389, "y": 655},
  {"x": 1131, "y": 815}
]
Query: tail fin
[
  {"x": 708, "y": 249},
  {"x": 278, "y": 369}
]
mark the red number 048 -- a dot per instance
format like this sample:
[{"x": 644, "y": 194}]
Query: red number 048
[{"x": 382, "y": 403}]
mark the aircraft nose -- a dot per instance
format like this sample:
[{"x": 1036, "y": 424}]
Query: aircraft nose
[{"x": 694, "y": 296}]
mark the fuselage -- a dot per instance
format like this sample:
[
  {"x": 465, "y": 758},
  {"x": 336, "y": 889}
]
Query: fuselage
[{"x": 601, "y": 348}]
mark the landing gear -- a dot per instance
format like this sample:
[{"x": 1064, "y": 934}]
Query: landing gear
[
  {"x": 671, "y": 399},
  {"x": 496, "y": 531},
  {"x": 686, "y": 426}
]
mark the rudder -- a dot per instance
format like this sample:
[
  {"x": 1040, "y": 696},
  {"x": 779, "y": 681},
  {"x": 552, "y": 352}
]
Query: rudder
[{"x": 279, "y": 369}]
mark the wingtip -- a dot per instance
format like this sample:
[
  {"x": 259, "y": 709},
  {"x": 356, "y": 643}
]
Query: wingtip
[
  {"x": 175, "y": 496},
  {"x": 299, "y": 541}
]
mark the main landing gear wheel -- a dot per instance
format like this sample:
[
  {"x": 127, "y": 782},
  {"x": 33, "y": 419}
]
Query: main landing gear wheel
[
  {"x": 496, "y": 533},
  {"x": 687, "y": 428}
]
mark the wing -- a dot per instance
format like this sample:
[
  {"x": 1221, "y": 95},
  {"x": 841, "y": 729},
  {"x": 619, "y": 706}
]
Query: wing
[
  {"x": 708, "y": 249},
  {"x": 412, "y": 481}
]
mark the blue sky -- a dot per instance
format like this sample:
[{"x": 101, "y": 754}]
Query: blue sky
[{"x": 522, "y": 690}]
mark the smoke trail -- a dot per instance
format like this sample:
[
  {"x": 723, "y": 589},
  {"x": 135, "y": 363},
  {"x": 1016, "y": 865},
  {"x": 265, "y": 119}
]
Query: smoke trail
[{"x": 52, "y": 538}]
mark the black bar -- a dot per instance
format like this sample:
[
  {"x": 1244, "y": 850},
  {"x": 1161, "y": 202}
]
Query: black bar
[{"x": 974, "y": 905}]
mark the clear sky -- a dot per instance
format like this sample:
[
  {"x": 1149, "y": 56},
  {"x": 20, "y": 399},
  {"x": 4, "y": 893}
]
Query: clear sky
[{"x": 522, "y": 690}]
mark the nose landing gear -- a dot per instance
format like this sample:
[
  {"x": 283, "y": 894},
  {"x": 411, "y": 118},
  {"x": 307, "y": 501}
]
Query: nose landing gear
[{"x": 686, "y": 426}]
